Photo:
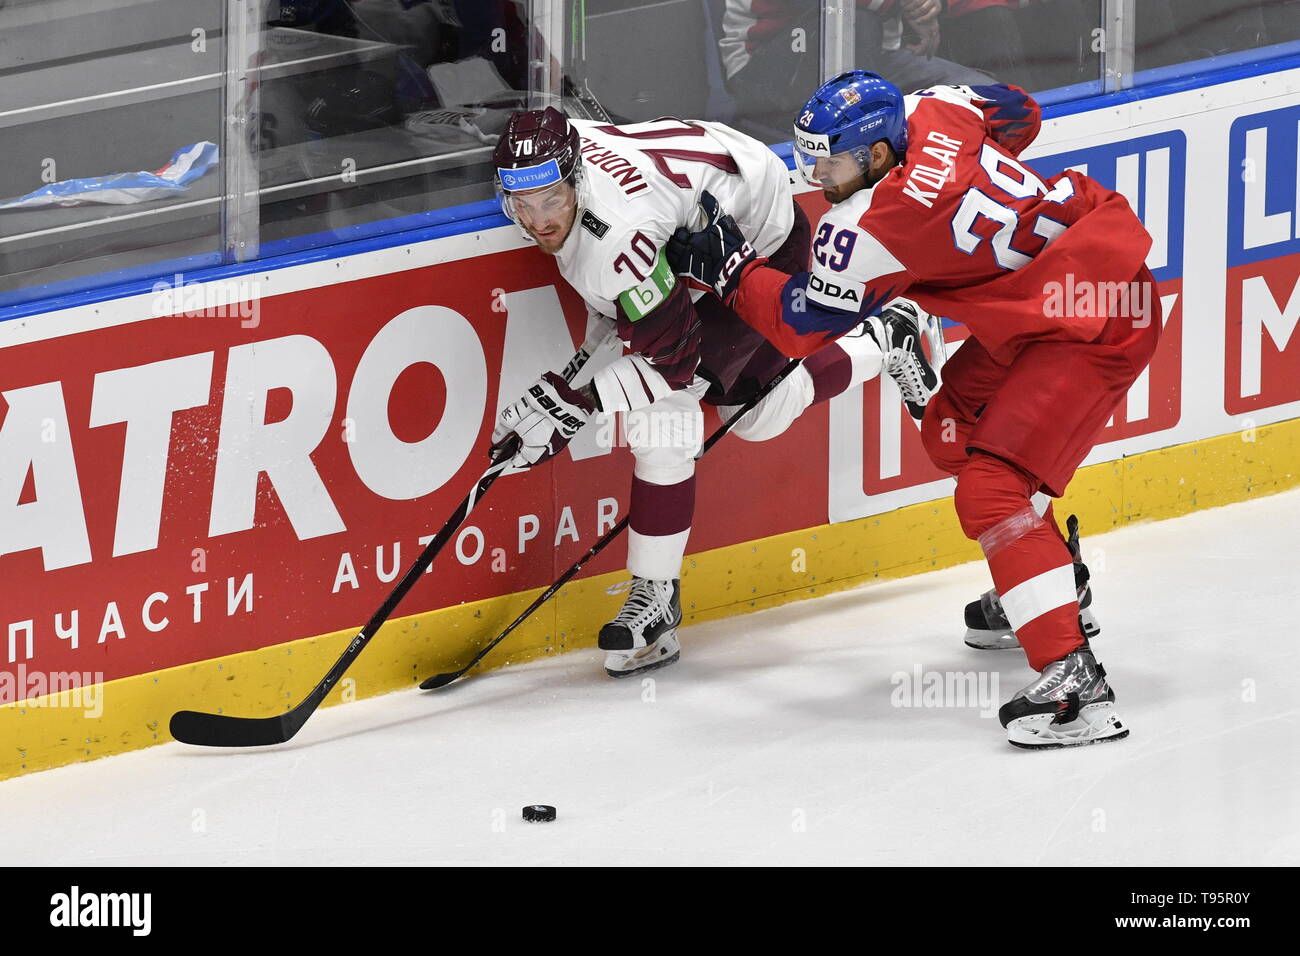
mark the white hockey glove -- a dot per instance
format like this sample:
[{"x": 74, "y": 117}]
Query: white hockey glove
[{"x": 539, "y": 425}]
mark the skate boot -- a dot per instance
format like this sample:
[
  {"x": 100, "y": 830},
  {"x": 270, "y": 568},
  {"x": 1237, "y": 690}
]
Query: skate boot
[
  {"x": 987, "y": 627},
  {"x": 1069, "y": 704},
  {"x": 644, "y": 634},
  {"x": 898, "y": 330}
]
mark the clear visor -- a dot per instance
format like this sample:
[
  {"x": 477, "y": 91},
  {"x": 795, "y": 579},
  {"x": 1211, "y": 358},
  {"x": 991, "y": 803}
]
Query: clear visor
[
  {"x": 536, "y": 209},
  {"x": 832, "y": 171}
]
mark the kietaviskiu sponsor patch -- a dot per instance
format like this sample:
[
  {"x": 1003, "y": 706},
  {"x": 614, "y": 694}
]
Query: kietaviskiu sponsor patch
[
  {"x": 531, "y": 177},
  {"x": 642, "y": 299}
]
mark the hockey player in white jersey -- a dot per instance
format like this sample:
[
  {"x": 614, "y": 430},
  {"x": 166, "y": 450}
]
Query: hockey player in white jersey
[{"x": 604, "y": 201}]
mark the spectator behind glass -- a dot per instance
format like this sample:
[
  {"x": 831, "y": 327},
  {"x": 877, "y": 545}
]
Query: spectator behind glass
[
  {"x": 770, "y": 52},
  {"x": 447, "y": 48}
]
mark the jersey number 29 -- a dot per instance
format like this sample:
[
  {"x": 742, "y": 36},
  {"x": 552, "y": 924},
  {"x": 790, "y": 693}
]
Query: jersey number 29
[
  {"x": 841, "y": 244},
  {"x": 977, "y": 203}
]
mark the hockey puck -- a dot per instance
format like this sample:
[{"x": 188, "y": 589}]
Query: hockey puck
[{"x": 539, "y": 813}]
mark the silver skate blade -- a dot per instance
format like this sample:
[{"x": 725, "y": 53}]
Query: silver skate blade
[
  {"x": 932, "y": 330},
  {"x": 661, "y": 653},
  {"x": 644, "y": 668},
  {"x": 1096, "y": 724},
  {"x": 1004, "y": 639}
]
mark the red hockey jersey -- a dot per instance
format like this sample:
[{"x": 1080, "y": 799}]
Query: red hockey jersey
[{"x": 967, "y": 231}]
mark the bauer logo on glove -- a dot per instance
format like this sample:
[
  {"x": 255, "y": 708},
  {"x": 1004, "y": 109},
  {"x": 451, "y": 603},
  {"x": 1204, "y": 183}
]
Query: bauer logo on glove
[
  {"x": 566, "y": 421},
  {"x": 542, "y": 422}
]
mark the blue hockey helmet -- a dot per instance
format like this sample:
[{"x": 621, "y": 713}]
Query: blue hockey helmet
[{"x": 847, "y": 115}]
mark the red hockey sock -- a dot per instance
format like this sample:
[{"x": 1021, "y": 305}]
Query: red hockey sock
[
  {"x": 1031, "y": 566},
  {"x": 1049, "y": 516}
]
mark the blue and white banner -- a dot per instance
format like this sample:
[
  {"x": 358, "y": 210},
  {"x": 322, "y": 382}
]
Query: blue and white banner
[
  {"x": 530, "y": 177},
  {"x": 185, "y": 166}
]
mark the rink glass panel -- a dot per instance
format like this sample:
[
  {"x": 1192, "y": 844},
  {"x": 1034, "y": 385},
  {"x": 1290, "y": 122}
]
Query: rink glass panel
[
  {"x": 719, "y": 60},
  {"x": 395, "y": 118},
  {"x": 1180, "y": 37},
  {"x": 91, "y": 88},
  {"x": 339, "y": 122}
]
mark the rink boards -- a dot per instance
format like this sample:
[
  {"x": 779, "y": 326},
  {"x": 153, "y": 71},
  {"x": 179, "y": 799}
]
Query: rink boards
[{"x": 205, "y": 487}]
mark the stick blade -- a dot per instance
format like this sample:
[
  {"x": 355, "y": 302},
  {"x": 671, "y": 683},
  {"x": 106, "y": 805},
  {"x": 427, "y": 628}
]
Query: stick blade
[
  {"x": 439, "y": 680},
  {"x": 220, "y": 730}
]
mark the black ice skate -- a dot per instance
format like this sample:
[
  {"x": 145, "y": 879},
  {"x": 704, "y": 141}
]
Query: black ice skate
[
  {"x": 644, "y": 634},
  {"x": 899, "y": 330},
  {"x": 987, "y": 627},
  {"x": 1069, "y": 704}
]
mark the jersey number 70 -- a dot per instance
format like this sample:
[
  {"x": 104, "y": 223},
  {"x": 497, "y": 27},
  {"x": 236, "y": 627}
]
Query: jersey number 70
[{"x": 660, "y": 155}]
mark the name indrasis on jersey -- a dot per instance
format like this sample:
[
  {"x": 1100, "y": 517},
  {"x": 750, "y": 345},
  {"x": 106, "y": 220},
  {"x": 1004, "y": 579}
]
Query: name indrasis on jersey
[{"x": 621, "y": 170}]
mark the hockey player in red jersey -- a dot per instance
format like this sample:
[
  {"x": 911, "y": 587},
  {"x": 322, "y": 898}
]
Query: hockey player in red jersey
[{"x": 930, "y": 201}]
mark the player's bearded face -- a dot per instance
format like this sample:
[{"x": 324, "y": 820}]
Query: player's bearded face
[
  {"x": 839, "y": 175},
  {"x": 547, "y": 214}
]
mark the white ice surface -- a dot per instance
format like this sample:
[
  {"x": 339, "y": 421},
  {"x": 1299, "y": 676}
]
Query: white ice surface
[{"x": 773, "y": 740}]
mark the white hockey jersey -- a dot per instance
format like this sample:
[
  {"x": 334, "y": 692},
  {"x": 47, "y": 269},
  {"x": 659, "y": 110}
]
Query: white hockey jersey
[{"x": 642, "y": 181}]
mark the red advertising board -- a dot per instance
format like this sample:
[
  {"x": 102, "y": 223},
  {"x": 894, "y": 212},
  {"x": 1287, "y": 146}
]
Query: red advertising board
[{"x": 186, "y": 487}]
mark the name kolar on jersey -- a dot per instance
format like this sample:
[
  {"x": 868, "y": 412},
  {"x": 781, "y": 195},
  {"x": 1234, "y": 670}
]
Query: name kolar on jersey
[
  {"x": 594, "y": 225},
  {"x": 920, "y": 175}
]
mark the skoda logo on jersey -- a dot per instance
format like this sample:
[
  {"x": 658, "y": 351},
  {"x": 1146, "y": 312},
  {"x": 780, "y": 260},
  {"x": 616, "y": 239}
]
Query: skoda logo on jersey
[
  {"x": 530, "y": 177},
  {"x": 814, "y": 144},
  {"x": 832, "y": 291}
]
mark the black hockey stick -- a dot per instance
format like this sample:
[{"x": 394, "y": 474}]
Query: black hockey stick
[
  {"x": 222, "y": 730},
  {"x": 442, "y": 680}
]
